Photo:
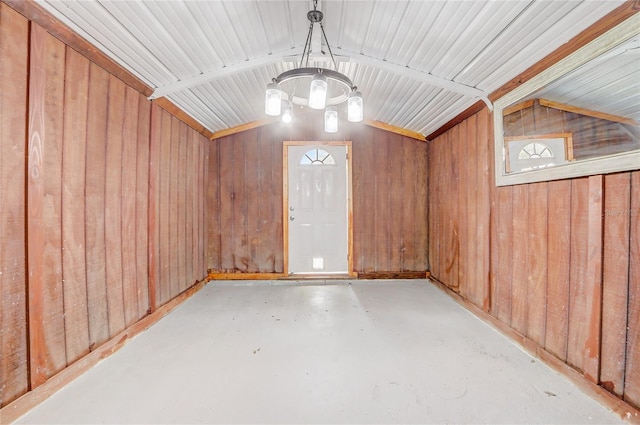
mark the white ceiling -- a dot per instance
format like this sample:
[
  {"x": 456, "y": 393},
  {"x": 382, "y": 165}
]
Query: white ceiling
[{"x": 418, "y": 64}]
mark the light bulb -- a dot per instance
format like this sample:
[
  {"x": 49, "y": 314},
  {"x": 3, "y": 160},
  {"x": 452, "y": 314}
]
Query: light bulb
[
  {"x": 287, "y": 111},
  {"x": 331, "y": 119}
]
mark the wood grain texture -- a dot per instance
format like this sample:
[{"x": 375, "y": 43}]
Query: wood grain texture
[
  {"x": 95, "y": 171},
  {"x": 213, "y": 246},
  {"x": 128, "y": 206},
  {"x": 615, "y": 278},
  {"x": 76, "y": 321},
  {"x": 113, "y": 206},
  {"x": 578, "y": 296},
  {"x": 536, "y": 297},
  {"x": 558, "y": 262},
  {"x": 181, "y": 210},
  {"x": 382, "y": 205},
  {"x": 632, "y": 364},
  {"x": 47, "y": 352},
  {"x": 190, "y": 268},
  {"x": 153, "y": 217},
  {"x": 143, "y": 191},
  {"x": 174, "y": 171},
  {"x": 164, "y": 287},
  {"x": 520, "y": 258},
  {"x": 14, "y": 68}
]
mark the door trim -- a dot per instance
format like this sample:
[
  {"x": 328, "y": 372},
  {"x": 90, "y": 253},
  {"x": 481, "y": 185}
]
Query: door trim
[{"x": 285, "y": 202}]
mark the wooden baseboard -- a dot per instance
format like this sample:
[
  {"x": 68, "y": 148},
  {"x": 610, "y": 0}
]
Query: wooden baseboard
[
  {"x": 246, "y": 276},
  {"x": 12, "y": 411},
  {"x": 620, "y": 407},
  {"x": 282, "y": 276},
  {"x": 394, "y": 275}
]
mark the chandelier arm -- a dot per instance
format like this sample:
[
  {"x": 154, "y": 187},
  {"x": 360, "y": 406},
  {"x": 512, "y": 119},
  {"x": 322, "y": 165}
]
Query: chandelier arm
[{"x": 335, "y": 66}]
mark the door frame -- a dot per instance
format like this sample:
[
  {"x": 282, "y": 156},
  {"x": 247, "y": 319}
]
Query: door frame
[{"x": 285, "y": 203}]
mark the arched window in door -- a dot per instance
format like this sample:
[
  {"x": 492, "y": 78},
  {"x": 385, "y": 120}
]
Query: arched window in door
[{"x": 317, "y": 157}]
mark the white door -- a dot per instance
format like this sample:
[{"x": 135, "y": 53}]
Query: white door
[{"x": 317, "y": 209}]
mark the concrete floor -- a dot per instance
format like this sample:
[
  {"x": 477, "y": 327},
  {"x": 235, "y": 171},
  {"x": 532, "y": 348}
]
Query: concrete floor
[{"x": 365, "y": 352}]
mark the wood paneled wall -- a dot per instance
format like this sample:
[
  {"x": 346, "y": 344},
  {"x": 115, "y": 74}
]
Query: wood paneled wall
[
  {"x": 177, "y": 159},
  {"x": 244, "y": 198},
  {"x": 102, "y": 214},
  {"x": 560, "y": 263},
  {"x": 592, "y": 137}
]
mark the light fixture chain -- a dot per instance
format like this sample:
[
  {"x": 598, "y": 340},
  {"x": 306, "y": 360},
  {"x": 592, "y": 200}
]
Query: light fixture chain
[
  {"x": 335, "y": 66},
  {"x": 307, "y": 47}
]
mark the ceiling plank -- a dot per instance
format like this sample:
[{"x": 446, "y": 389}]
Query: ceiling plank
[
  {"x": 418, "y": 75},
  {"x": 37, "y": 14},
  {"x": 609, "y": 21},
  {"x": 215, "y": 74}
]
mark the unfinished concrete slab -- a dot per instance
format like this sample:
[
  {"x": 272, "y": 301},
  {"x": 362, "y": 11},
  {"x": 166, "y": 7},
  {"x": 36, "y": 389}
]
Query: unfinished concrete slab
[{"x": 320, "y": 352}]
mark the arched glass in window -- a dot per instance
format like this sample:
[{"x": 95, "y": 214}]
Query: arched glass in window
[
  {"x": 535, "y": 150},
  {"x": 317, "y": 157}
]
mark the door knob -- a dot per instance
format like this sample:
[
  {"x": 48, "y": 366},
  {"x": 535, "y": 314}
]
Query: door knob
[
  {"x": 291, "y": 218},
  {"x": 291, "y": 208}
]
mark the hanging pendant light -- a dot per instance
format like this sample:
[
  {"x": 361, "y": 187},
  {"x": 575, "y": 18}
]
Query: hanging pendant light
[
  {"x": 331, "y": 119},
  {"x": 287, "y": 111},
  {"x": 273, "y": 100},
  {"x": 326, "y": 87},
  {"x": 318, "y": 92},
  {"x": 355, "y": 107}
]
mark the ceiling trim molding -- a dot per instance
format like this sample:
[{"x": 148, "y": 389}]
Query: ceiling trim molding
[
  {"x": 54, "y": 26},
  {"x": 430, "y": 79},
  {"x": 176, "y": 111},
  {"x": 215, "y": 74},
  {"x": 243, "y": 127},
  {"x": 397, "y": 130}
]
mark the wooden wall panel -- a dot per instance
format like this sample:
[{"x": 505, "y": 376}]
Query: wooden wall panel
[
  {"x": 128, "y": 194},
  {"x": 14, "y": 45},
  {"x": 113, "y": 206},
  {"x": 632, "y": 364},
  {"x": 245, "y": 226},
  {"x": 142, "y": 205},
  {"x": 80, "y": 205},
  {"x": 46, "y": 300},
  {"x": 536, "y": 296},
  {"x": 94, "y": 207},
  {"x": 616, "y": 280},
  {"x": 76, "y": 321},
  {"x": 175, "y": 181},
  {"x": 173, "y": 165},
  {"x": 153, "y": 216},
  {"x": 578, "y": 296},
  {"x": 213, "y": 246},
  {"x": 561, "y": 255},
  {"x": 558, "y": 262}
]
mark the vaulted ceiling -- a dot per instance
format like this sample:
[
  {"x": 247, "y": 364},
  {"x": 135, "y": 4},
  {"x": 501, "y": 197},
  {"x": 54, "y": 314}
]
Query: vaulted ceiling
[{"x": 418, "y": 63}]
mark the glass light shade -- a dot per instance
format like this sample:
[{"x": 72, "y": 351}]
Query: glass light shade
[
  {"x": 331, "y": 119},
  {"x": 273, "y": 100},
  {"x": 355, "y": 107},
  {"x": 287, "y": 111},
  {"x": 318, "y": 92}
]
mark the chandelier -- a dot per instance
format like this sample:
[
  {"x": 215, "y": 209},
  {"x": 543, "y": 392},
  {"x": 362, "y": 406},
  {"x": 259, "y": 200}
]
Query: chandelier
[{"x": 315, "y": 87}]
